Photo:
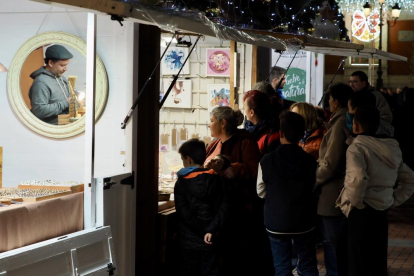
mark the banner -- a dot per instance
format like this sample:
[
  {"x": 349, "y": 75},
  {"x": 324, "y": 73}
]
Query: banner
[{"x": 295, "y": 86}]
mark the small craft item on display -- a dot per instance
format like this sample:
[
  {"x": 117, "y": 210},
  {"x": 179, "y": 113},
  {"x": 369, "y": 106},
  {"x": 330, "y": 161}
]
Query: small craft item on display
[
  {"x": 73, "y": 186},
  {"x": 174, "y": 137},
  {"x": 207, "y": 140},
  {"x": 74, "y": 105},
  {"x": 32, "y": 195},
  {"x": 173, "y": 60},
  {"x": 218, "y": 62},
  {"x": 195, "y": 135},
  {"x": 183, "y": 135},
  {"x": 164, "y": 142},
  {"x": 6, "y": 201}
]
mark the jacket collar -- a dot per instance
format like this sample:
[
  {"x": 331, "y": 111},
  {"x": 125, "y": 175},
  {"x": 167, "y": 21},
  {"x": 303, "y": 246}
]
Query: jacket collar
[
  {"x": 335, "y": 116},
  {"x": 186, "y": 171}
]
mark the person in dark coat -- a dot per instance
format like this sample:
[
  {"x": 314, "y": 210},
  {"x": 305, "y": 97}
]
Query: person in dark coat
[
  {"x": 404, "y": 125},
  {"x": 286, "y": 179},
  {"x": 242, "y": 151},
  {"x": 202, "y": 209},
  {"x": 257, "y": 109}
]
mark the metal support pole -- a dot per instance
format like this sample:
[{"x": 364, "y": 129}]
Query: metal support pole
[{"x": 379, "y": 72}]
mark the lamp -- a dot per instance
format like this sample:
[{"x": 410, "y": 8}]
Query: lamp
[
  {"x": 367, "y": 9},
  {"x": 396, "y": 10},
  {"x": 3, "y": 68}
]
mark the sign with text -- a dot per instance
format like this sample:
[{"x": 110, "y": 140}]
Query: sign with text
[{"x": 295, "y": 87}]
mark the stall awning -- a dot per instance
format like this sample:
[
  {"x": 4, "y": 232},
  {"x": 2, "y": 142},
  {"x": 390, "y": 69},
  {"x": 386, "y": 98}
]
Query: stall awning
[
  {"x": 365, "y": 53},
  {"x": 169, "y": 20},
  {"x": 310, "y": 42},
  {"x": 197, "y": 22}
]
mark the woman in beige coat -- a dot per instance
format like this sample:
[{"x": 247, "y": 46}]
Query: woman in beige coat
[{"x": 330, "y": 176}]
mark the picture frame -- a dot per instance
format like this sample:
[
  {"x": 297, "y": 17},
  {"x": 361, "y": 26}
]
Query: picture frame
[
  {"x": 173, "y": 60},
  {"x": 181, "y": 94},
  {"x": 218, "y": 95},
  {"x": 218, "y": 62}
]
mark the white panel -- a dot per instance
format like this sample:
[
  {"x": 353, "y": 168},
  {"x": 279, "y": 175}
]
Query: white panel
[
  {"x": 92, "y": 252},
  {"x": 64, "y": 159}
]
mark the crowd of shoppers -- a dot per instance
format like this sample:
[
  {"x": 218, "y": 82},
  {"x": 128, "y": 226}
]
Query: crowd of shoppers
[{"x": 290, "y": 176}]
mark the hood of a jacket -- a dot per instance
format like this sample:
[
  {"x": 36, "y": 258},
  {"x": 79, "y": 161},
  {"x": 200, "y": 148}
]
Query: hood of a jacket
[
  {"x": 41, "y": 71},
  {"x": 197, "y": 181},
  {"x": 386, "y": 149}
]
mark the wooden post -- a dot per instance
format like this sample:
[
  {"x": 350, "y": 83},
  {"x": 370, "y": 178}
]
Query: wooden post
[
  {"x": 254, "y": 65},
  {"x": 233, "y": 80},
  {"x": 1, "y": 167},
  {"x": 146, "y": 118}
]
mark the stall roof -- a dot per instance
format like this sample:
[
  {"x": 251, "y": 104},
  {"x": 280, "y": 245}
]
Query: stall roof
[
  {"x": 310, "y": 42},
  {"x": 198, "y": 23},
  {"x": 365, "y": 53}
]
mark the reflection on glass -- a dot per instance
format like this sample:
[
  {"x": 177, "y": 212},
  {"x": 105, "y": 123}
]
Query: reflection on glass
[{"x": 49, "y": 94}]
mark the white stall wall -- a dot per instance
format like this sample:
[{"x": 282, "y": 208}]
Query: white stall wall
[{"x": 28, "y": 155}]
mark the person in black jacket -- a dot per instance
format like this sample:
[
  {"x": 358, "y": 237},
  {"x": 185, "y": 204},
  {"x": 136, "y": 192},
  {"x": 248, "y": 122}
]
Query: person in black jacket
[
  {"x": 286, "y": 179},
  {"x": 202, "y": 210}
]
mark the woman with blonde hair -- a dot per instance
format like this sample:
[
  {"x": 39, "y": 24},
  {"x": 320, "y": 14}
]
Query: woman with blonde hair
[{"x": 315, "y": 129}]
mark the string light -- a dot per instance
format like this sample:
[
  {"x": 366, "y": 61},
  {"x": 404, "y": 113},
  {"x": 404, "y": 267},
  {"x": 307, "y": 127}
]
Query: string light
[{"x": 315, "y": 18}]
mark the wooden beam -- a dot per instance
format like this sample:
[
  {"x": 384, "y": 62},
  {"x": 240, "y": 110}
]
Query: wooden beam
[
  {"x": 1, "y": 167},
  {"x": 146, "y": 156},
  {"x": 254, "y": 65},
  {"x": 233, "y": 73}
]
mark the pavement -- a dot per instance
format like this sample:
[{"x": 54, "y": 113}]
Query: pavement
[{"x": 400, "y": 242}]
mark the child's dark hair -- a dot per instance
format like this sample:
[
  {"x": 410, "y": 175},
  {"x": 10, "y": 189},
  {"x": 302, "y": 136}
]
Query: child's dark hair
[
  {"x": 341, "y": 92},
  {"x": 293, "y": 126},
  {"x": 362, "y": 99},
  {"x": 194, "y": 148},
  {"x": 226, "y": 161},
  {"x": 368, "y": 118}
]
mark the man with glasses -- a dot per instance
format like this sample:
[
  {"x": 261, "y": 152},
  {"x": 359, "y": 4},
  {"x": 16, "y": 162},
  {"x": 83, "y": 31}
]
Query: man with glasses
[{"x": 359, "y": 83}]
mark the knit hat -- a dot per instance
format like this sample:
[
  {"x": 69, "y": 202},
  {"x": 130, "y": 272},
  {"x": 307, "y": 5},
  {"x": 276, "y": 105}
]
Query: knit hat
[{"x": 58, "y": 52}]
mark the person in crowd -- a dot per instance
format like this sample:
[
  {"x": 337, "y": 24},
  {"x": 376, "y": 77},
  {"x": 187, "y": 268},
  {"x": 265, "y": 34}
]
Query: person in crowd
[
  {"x": 366, "y": 99},
  {"x": 258, "y": 121},
  {"x": 404, "y": 126},
  {"x": 49, "y": 94},
  {"x": 242, "y": 150},
  {"x": 391, "y": 98},
  {"x": 202, "y": 209},
  {"x": 325, "y": 107},
  {"x": 400, "y": 96},
  {"x": 286, "y": 179},
  {"x": 237, "y": 144},
  {"x": 359, "y": 83},
  {"x": 277, "y": 79},
  {"x": 314, "y": 129},
  {"x": 330, "y": 176},
  {"x": 321, "y": 115},
  {"x": 219, "y": 163},
  {"x": 373, "y": 167},
  {"x": 267, "y": 88}
]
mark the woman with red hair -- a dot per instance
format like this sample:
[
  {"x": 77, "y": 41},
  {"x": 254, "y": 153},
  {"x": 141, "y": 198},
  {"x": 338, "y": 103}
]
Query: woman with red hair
[{"x": 262, "y": 113}]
